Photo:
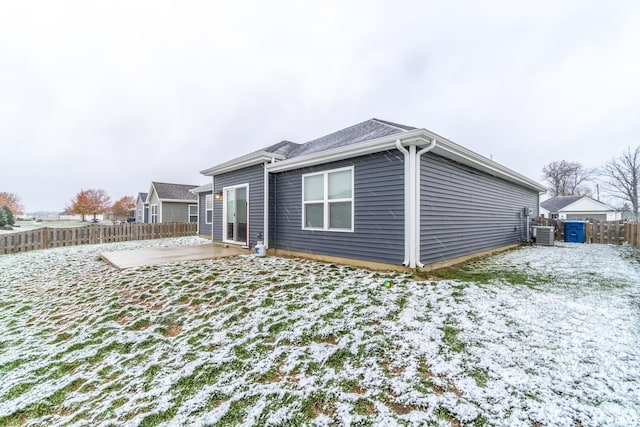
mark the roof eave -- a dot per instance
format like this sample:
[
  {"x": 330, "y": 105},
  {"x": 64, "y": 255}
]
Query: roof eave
[
  {"x": 345, "y": 152},
  {"x": 179, "y": 200},
  {"x": 242, "y": 162},
  {"x": 458, "y": 153},
  {"x": 201, "y": 189},
  {"x": 420, "y": 137}
]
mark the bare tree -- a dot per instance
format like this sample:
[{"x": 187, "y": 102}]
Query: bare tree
[
  {"x": 568, "y": 178},
  {"x": 621, "y": 176}
]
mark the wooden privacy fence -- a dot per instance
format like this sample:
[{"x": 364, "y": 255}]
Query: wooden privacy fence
[
  {"x": 44, "y": 238},
  {"x": 606, "y": 232}
]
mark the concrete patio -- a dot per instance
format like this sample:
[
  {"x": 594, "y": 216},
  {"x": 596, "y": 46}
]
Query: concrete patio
[{"x": 154, "y": 256}]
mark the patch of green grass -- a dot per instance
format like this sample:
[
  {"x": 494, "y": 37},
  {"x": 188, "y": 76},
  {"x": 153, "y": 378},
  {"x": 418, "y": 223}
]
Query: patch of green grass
[
  {"x": 363, "y": 407},
  {"x": 338, "y": 358},
  {"x": 241, "y": 352},
  {"x": 139, "y": 325},
  {"x": 477, "y": 272},
  {"x": 146, "y": 343},
  {"x": 442, "y": 413},
  {"x": 402, "y": 302},
  {"x": 237, "y": 411},
  {"x": 116, "y": 403},
  {"x": 450, "y": 338},
  {"x": 480, "y": 377},
  {"x": 63, "y": 336},
  {"x": 153, "y": 420},
  {"x": 18, "y": 389},
  {"x": 37, "y": 409},
  {"x": 102, "y": 373},
  {"x": 480, "y": 421},
  {"x": 268, "y": 302},
  {"x": 10, "y": 366},
  {"x": 276, "y": 328}
]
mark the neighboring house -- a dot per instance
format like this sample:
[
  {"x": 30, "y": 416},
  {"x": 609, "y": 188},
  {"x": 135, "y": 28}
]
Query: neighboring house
[
  {"x": 172, "y": 203},
  {"x": 377, "y": 192},
  {"x": 578, "y": 207},
  {"x": 142, "y": 208},
  {"x": 205, "y": 208}
]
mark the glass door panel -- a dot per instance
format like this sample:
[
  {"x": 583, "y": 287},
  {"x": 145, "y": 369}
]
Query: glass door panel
[
  {"x": 241, "y": 215},
  {"x": 236, "y": 206}
]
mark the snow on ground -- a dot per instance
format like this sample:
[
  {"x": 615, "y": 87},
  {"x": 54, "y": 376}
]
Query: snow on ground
[{"x": 540, "y": 335}]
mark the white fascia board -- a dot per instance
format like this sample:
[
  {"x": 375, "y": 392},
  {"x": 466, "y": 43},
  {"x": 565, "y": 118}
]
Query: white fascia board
[
  {"x": 201, "y": 189},
  {"x": 348, "y": 151},
  {"x": 178, "y": 201},
  {"x": 242, "y": 162},
  {"x": 572, "y": 208},
  {"x": 418, "y": 137},
  {"x": 152, "y": 189}
]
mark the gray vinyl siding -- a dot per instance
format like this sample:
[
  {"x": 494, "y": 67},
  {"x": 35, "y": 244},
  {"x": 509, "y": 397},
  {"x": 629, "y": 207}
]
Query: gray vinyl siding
[
  {"x": 378, "y": 211},
  {"x": 204, "y": 229},
  {"x": 254, "y": 176},
  {"x": 176, "y": 212},
  {"x": 142, "y": 211},
  {"x": 464, "y": 211}
]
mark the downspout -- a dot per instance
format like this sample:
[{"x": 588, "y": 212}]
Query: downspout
[
  {"x": 412, "y": 204},
  {"x": 416, "y": 248},
  {"x": 213, "y": 204},
  {"x": 265, "y": 234},
  {"x": 406, "y": 154}
]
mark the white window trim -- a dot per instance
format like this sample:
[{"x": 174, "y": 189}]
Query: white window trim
[
  {"x": 224, "y": 213},
  {"x": 151, "y": 213},
  {"x": 189, "y": 212},
  {"x": 207, "y": 196},
  {"x": 326, "y": 201}
]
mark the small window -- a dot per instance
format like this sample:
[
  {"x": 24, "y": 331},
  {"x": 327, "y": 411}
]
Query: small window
[
  {"x": 193, "y": 213},
  {"x": 209, "y": 208},
  {"x": 327, "y": 199}
]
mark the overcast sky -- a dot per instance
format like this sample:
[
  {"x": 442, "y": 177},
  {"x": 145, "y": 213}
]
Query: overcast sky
[{"x": 115, "y": 94}]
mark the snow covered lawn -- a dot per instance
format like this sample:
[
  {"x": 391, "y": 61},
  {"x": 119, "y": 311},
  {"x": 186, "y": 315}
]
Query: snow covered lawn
[{"x": 536, "y": 336}]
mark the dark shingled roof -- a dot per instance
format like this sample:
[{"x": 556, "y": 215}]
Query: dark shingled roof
[
  {"x": 143, "y": 196},
  {"x": 556, "y": 203},
  {"x": 365, "y": 131},
  {"x": 282, "y": 148},
  {"x": 167, "y": 191}
]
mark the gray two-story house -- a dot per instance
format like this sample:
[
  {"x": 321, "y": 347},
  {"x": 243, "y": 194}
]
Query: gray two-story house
[{"x": 375, "y": 192}]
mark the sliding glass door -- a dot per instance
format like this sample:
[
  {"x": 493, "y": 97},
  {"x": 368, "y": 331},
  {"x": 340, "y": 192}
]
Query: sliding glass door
[{"x": 236, "y": 214}]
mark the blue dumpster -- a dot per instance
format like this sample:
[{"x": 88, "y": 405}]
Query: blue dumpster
[{"x": 574, "y": 231}]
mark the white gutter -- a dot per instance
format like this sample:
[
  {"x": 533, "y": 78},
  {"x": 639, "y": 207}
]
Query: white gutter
[
  {"x": 445, "y": 148},
  {"x": 407, "y": 229},
  {"x": 250, "y": 159},
  {"x": 213, "y": 205},
  {"x": 416, "y": 247},
  {"x": 265, "y": 216}
]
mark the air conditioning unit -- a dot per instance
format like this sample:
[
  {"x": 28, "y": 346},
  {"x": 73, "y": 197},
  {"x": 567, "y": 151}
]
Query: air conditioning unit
[{"x": 544, "y": 236}]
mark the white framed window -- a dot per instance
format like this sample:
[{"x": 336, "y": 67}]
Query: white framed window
[
  {"x": 327, "y": 200},
  {"x": 208, "y": 208},
  {"x": 193, "y": 213},
  {"x": 154, "y": 214}
]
